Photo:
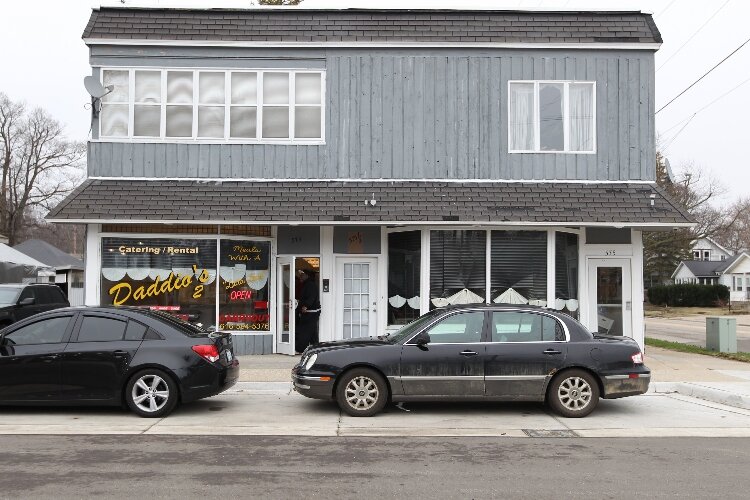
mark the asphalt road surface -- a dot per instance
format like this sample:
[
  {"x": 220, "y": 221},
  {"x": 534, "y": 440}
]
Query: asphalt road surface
[
  {"x": 692, "y": 330},
  {"x": 140, "y": 466}
]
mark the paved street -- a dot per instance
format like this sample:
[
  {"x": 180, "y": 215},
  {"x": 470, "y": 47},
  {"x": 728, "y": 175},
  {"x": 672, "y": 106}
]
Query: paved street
[
  {"x": 692, "y": 330},
  {"x": 309, "y": 467}
]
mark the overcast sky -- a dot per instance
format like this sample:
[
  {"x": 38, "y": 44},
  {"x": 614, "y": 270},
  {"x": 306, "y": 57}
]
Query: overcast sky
[{"x": 44, "y": 62}]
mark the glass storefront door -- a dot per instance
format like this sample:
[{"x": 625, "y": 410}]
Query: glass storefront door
[
  {"x": 356, "y": 299},
  {"x": 610, "y": 296},
  {"x": 286, "y": 305}
]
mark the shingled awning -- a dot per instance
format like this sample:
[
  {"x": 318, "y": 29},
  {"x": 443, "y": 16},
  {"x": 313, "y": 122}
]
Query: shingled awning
[
  {"x": 369, "y": 26},
  {"x": 396, "y": 203}
]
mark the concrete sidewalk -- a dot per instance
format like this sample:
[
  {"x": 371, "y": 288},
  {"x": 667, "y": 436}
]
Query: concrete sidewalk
[{"x": 712, "y": 379}]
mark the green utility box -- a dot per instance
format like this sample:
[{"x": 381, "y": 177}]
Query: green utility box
[{"x": 721, "y": 334}]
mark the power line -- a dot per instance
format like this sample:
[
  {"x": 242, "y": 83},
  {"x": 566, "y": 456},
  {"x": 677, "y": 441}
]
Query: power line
[
  {"x": 707, "y": 105},
  {"x": 693, "y": 35},
  {"x": 665, "y": 9},
  {"x": 671, "y": 141},
  {"x": 703, "y": 76}
]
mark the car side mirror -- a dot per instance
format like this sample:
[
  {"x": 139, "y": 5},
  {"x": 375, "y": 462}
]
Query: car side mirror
[
  {"x": 28, "y": 301},
  {"x": 422, "y": 339}
]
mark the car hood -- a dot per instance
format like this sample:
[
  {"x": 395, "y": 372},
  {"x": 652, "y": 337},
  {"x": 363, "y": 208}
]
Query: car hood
[{"x": 348, "y": 343}]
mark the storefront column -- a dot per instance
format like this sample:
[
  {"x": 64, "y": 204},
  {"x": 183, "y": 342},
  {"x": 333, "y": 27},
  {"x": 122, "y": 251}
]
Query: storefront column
[
  {"x": 639, "y": 323},
  {"x": 92, "y": 265},
  {"x": 551, "y": 248},
  {"x": 327, "y": 322}
]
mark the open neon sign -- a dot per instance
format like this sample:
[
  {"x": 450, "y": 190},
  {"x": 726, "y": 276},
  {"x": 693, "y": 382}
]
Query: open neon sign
[{"x": 241, "y": 295}]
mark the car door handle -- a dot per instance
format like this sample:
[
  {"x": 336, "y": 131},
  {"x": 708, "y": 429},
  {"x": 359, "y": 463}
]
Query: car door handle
[
  {"x": 120, "y": 354},
  {"x": 550, "y": 352},
  {"x": 467, "y": 353},
  {"x": 49, "y": 358}
]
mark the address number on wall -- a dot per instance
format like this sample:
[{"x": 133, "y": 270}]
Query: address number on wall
[{"x": 610, "y": 253}]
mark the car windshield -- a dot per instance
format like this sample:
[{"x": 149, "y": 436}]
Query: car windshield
[
  {"x": 408, "y": 330},
  {"x": 9, "y": 295}
]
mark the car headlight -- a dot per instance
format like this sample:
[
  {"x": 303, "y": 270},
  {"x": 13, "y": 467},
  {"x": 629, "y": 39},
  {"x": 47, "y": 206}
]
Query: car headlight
[{"x": 310, "y": 361}]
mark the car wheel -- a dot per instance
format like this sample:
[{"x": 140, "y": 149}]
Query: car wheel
[
  {"x": 151, "y": 393},
  {"x": 362, "y": 392},
  {"x": 573, "y": 393}
]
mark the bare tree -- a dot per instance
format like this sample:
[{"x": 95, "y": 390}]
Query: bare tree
[
  {"x": 736, "y": 237},
  {"x": 39, "y": 164}
]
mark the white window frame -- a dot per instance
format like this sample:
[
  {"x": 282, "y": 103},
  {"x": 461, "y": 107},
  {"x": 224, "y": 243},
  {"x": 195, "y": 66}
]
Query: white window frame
[
  {"x": 195, "y": 139},
  {"x": 566, "y": 117}
]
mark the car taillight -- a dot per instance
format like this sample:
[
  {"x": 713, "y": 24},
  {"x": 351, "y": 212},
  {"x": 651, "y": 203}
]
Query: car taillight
[
  {"x": 207, "y": 352},
  {"x": 637, "y": 358}
]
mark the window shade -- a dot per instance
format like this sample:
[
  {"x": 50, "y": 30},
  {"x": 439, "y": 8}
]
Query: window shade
[
  {"x": 457, "y": 262},
  {"x": 519, "y": 261}
]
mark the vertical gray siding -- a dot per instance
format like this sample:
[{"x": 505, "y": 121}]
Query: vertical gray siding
[{"x": 418, "y": 114}]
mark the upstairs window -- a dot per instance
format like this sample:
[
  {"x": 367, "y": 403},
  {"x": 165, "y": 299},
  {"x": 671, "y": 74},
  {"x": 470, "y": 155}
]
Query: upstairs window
[
  {"x": 551, "y": 116},
  {"x": 213, "y": 105}
]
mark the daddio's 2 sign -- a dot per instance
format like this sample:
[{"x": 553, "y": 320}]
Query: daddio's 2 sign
[{"x": 145, "y": 270}]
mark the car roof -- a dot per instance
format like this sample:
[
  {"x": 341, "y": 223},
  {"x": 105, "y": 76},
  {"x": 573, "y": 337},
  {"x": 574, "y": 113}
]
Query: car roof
[
  {"x": 23, "y": 285},
  {"x": 495, "y": 307}
]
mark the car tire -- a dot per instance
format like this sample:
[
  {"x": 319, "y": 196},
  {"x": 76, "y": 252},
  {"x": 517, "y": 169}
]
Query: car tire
[
  {"x": 573, "y": 393},
  {"x": 151, "y": 393},
  {"x": 362, "y": 392}
]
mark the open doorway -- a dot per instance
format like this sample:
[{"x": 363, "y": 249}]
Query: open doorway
[{"x": 298, "y": 299}]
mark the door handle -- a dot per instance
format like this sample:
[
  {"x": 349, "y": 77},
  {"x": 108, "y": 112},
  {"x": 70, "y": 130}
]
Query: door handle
[
  {"x": 467, "y": 353},
  {"x": 49, "y": 358},
  {"x": 550, "y": 352}
]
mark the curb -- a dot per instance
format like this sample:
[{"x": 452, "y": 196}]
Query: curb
[{"x": 706, "y": 393}]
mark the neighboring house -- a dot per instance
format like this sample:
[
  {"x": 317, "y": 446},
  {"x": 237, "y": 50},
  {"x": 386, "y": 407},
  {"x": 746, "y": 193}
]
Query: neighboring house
[
  {"x": 17, "y": 267},
  {"x": 708, "y": 249},
  {"x": 734, "y": 272},
  {"x": 68, "y": 269},
  {"x": 411, "y": 158}
]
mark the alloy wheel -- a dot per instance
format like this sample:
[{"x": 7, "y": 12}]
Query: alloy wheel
[
  {"x": 361, "y": 393},
  {"x": 150, "y": 393},
  {"x": 574, "y": 393}
]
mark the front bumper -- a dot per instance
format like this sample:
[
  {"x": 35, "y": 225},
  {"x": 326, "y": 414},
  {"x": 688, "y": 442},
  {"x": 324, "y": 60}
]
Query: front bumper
[
  {"x": 620, "y": 386},
  {"x": 313, "y": 386}
]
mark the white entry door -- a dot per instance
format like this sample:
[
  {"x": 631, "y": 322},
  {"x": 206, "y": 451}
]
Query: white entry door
[
  {"x": 610, "y": 300},
  {"x": 286, "y": 305},
  {"x": 356, "y": 297}
]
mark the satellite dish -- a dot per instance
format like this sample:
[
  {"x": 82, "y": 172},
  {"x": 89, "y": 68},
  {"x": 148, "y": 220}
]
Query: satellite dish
[
  {"x": 670, "y": 174},
  {"x": 94, "y": 88}
]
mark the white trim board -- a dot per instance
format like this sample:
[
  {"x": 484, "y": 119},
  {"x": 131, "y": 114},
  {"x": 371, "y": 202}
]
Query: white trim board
[
  {"x": 376, "y": 223},
  {"x": 386, "y": 45},
  {"x": 219, "y": 180}
]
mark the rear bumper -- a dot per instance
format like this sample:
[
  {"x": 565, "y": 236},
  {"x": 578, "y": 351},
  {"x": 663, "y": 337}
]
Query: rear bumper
[
  {"x": 225, "y": 378},
  {"x": 620, "y": 386}
]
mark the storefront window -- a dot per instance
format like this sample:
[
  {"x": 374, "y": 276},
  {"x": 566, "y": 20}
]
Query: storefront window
[
  {"x": 404, "y": 258},
  {"x": 519, "y": 267},
  {"x": 173, "y": 275},
  {"x": 457, "y": 267},
  {"x": 566, "y": 273},
  {"x": 244, "y": 270}
]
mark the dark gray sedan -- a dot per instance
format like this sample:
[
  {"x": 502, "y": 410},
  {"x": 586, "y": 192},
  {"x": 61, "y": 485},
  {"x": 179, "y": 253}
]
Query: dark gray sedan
[{"x": 476, "y": 353}]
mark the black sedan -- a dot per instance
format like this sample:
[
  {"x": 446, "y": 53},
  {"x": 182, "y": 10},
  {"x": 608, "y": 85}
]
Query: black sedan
[
  {"x": 144, "y": 359},
  {"x": 476, "y": 353}
]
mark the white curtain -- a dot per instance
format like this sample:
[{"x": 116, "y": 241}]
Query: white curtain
[
  {"x": 581, "y": 98},
  {"x": 521, "y": 116}
]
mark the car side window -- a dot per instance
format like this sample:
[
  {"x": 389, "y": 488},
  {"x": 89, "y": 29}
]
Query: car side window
[
  {"x": 44, "y": 295},
  {"x": 46, "y": 331},
  {"x": 135, "y": 331},
  {"x": 99, "y": 329},
  {"x": 27, "y": 292},
  {"x": 525, "y": 327},
  {"x": 56, "y": 295},
  {"x": 458, "y": 328}
]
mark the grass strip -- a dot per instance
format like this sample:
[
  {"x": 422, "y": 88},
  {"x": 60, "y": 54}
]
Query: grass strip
[{"x": 694, "y": 349}]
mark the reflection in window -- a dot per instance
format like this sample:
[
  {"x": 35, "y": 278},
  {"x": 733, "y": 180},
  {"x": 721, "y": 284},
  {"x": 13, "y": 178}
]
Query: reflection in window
[
  {"x": 551, "y": 117},
  {"x": 404, "y": 257},
  {"x": 47, "y": 331},
  {"x": 518, "y": 267},
  {"x": 96, "y": 329},
  {"x": 458, "y": 329},
  {"x": 525, "y": 327},
  {"x": 457, "y": 267}
]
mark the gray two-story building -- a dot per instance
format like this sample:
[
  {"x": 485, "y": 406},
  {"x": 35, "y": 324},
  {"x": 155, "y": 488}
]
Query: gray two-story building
[{"x": 410, "y": 159}]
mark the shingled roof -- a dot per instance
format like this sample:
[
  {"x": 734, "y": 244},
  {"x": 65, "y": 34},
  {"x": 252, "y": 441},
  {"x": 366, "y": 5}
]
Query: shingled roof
[
  {"x": 388, "y": 26},
  {"x": 413, "y": 202}
]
